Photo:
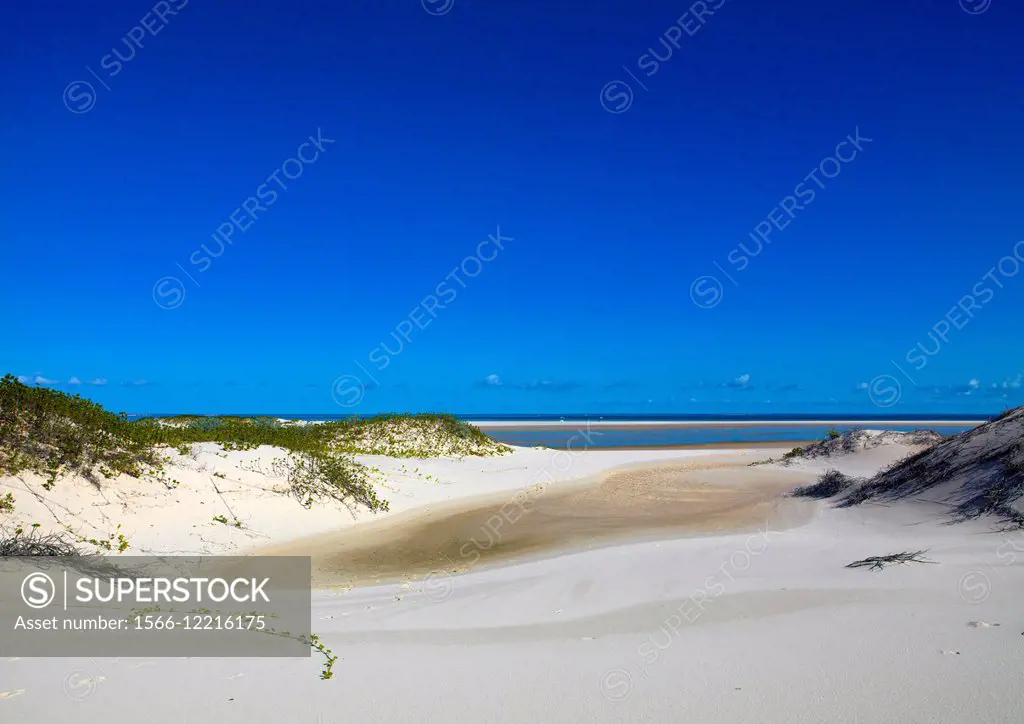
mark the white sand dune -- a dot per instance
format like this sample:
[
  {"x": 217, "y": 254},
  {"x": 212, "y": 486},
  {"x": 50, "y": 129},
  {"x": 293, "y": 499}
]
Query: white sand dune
[
  {"x": 176, "y": 516},
  {"x": 762, "y": 626}
]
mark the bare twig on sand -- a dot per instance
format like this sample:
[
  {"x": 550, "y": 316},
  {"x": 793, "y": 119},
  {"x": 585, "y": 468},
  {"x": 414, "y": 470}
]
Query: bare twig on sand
[
  {"x": 35, "y": 543},
  {"x": 879, "y": 562},
  {"x": 46, "y": 546}
]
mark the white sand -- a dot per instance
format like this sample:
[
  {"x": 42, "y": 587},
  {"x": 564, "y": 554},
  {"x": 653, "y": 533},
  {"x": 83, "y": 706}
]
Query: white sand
[
  {"x": 168, "y": 518},
  {"x": 785, "y": 633}
]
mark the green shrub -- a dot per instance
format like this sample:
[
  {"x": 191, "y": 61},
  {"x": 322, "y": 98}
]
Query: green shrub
[
  {"x": 116, "y": 539},
  {"x": 56, "y": 434}
]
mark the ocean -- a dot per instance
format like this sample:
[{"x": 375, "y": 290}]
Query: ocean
[{"x": 669, "y": 430}]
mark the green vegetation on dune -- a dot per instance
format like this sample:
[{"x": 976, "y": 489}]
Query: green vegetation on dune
[
  {"x": 55, "y": 434},
  {"x": 49, "y": 432},
  {"x": 425, "y": 435},
  {"x": 418, "y": 436}
]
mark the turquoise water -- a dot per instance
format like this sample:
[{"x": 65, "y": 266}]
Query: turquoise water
[{"x": 577, "y": 437}]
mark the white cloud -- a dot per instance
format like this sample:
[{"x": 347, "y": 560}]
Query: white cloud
[
  {"x": 98, "y": 381},
  {"x": 40, "y": 380},
  {"x": 493, "y": 380},
  {"x": 24, "y": 380},
  {"x": 862, "y": 385},
  {"x": 738, "y": 383},
  {"x": 74, "y": 381},
  {"x": 974, "y": 384},
  {"x": 1014, "y": 383}
]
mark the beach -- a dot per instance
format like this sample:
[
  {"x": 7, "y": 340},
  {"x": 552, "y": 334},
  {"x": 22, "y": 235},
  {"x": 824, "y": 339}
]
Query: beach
[
  {"x": 586, "y": 585},
  {"x": 701, "y": 493},
  {"x": 737, "y": 424},
  {"x": 512, "y": 363},
  {"x": 176, "y": 515}
]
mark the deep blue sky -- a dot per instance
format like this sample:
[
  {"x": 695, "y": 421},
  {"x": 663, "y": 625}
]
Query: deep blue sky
[{"x": 447, "y": 126}]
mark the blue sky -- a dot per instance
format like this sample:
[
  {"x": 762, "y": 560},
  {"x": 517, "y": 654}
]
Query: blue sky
[{"x": 515, "y": 207}]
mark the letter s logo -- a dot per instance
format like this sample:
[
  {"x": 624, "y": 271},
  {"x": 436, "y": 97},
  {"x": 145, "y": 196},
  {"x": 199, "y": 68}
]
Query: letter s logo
[{"x": 706, "y": 292}]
